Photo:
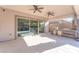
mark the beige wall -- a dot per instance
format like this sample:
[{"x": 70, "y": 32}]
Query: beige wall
[
  {"x": 7, "y": 24},
  {"x": 7, "y": 27}
]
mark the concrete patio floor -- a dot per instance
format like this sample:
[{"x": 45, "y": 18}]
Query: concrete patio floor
[{"x": 42, "y": 43}]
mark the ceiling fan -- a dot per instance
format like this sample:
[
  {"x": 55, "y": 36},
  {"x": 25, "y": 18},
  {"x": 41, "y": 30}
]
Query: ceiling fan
[
  {"x": 37, "y": 8},
  {"x": 50, "y": 13}
]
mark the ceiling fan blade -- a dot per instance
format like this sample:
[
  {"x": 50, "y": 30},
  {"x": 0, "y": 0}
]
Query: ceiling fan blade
[
  {"x": 39, "y": 11},
  {"x": 52, "y": 14},
  {"x": 35, "y": 6},
  {"x": 41, "y": 8},
  {"x": 34, "y": 11}
]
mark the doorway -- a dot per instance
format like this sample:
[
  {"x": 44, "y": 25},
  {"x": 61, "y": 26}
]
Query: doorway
[{"x": 27, "y": 27}]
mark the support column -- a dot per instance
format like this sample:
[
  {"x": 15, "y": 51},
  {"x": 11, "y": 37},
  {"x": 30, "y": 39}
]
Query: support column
[
  {"x": 38, "y": 26},
  {"x": 29, "y": 25},
  {"x": 46, "y": 29},
  {"x": 74, "y": 25}
]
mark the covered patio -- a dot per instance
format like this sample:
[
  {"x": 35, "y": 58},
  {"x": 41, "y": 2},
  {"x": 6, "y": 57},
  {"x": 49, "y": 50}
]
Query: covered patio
[
  {"x": 42, "y": 43},
  {"x": 39, "y": 29}
]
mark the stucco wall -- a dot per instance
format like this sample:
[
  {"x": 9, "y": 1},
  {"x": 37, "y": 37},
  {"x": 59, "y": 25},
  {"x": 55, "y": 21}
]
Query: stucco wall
[{"x": 7, "y": 24}]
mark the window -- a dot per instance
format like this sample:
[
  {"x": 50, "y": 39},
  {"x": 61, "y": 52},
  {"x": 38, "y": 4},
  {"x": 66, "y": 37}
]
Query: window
[{"x": 23, "y": 25}]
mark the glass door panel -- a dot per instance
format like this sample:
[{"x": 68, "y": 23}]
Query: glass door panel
[
  {"x": 41, "y": 26},
  {"x": 23, "y": 27},
  {"x": 33, "y": 26}
]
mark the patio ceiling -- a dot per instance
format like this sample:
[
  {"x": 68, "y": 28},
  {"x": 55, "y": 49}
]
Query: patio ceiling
[{"x": 59, "y": 10}]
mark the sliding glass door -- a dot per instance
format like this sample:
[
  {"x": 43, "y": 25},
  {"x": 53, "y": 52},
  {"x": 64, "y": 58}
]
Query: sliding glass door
[{"x": 29, "y": 27}]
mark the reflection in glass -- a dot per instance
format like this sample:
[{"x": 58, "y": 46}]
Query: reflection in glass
[
  {"x": 41, "y": 26},
  {"x": 23, "y": 27},
  {"x": 29, "y": 27},
  {"x": 33, "y": 26}
]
